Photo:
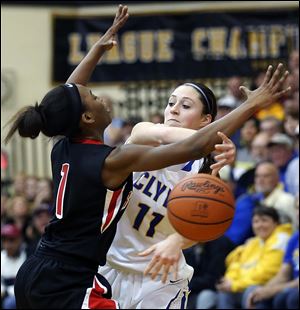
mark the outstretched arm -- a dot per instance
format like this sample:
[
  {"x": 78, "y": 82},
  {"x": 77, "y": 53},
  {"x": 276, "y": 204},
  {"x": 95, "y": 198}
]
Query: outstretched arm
[
  {"x": 83, "y": 71},
  {"x": 147, "y": 133},
  {"x": 129, "y": 158}
]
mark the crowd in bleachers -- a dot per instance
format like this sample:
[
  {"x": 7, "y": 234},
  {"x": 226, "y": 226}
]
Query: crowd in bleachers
[
  {"x": 248, "y": 266},
  {"x": 256, "y": 263}
]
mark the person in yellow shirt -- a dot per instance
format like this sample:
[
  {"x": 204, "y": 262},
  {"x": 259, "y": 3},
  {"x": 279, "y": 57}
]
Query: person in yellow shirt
[
  {"x": 282, "y": 291},
  {"x": 256, "y": 261}
]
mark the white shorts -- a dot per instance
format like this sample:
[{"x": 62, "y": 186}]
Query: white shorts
[{"x": 136, "y": 291}]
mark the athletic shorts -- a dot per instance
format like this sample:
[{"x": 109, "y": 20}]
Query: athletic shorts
[
  {"x": 45, "y": 282},
  {"x": 136, "y": 291}
]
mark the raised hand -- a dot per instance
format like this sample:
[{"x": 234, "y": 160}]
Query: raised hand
[
  {"x": 271, "y": 88},
  {"x": 107, "y": 41},
  {"x": 226, "y": 154},
  {"x": 83, "y": 71}
]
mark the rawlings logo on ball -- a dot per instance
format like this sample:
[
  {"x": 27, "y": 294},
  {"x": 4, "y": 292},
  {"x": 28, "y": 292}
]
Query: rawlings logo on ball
[{"x": 206, "y": 187}]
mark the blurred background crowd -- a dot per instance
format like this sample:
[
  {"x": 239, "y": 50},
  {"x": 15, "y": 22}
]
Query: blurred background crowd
[{"x": 256, "y": 263}]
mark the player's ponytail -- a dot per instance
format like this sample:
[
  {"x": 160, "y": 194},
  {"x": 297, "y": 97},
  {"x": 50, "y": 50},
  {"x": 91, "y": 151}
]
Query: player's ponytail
[
  {"x": 58, "y": 114},
  {"x": 28, "y": 121}
]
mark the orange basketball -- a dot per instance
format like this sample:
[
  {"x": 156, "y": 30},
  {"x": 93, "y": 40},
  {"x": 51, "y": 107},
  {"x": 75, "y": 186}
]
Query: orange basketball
[{"x": 201, "y": 207}]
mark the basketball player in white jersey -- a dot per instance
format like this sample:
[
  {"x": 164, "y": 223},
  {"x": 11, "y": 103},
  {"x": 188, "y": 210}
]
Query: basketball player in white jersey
[{"x": 145, "y": 265}]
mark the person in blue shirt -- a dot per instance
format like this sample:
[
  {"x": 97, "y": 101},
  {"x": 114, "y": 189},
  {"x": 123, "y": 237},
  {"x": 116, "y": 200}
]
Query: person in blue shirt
[{"x": 268, "y": 192}]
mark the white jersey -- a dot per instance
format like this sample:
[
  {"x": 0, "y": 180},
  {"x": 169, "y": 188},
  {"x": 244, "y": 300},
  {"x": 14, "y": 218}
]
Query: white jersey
[{"x": 145, "y": 221}]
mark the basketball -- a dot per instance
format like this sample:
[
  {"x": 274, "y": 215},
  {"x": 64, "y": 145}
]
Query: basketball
[{"x": 201, "y": 207}]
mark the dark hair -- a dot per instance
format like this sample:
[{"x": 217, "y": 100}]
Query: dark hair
[
  {"x": 207, "y": 97},
  {"x": 207, "y": 162},
  {"x": 58, "y": 114},
  {"x": 261, "y": 210},
  {"x": 209, "y": 101}
]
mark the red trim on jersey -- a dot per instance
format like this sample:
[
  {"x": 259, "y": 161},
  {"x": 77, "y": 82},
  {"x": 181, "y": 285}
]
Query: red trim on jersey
[
  {"x": 111, "y": 208},
  {"x": 97, "y": 301},
  {"x": 87, "y": 141}
]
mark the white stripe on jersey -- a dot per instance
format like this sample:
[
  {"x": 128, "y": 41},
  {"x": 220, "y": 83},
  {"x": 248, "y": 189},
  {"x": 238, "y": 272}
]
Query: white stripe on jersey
[{"x": 111, "y": 207}]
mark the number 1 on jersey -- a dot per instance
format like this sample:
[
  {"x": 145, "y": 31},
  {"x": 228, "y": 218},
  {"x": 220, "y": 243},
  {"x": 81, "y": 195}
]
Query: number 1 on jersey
[{"x": 61, "y": 190}]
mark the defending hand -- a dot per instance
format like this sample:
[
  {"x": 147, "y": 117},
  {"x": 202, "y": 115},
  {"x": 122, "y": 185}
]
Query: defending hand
[
  {"x": 226, "y": 154},
  {"x": 271, "y": 88},
  {"x": 107, "y": 41}
]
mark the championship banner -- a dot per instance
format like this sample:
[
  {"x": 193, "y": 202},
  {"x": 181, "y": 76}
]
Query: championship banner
[{"x": 177, "y": 46}]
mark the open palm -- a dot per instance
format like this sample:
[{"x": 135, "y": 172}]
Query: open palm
[
  {"x": 107, "y": 41},
  {"x": 271, "y": 88}
]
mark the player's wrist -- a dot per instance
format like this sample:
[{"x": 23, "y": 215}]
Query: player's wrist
[{"x": 181, "y": 241}]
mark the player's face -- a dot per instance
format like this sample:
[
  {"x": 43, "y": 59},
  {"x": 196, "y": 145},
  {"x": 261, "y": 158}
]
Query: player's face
[
  {"x": 185, "y": 109},
  {"x": 95, "y": 107}
]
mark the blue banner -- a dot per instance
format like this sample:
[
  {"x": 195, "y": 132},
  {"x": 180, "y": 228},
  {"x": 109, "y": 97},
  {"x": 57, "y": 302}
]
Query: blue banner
[{"x": 177, "y": 46}]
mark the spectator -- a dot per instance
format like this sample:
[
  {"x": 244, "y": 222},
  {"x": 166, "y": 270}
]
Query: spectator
[
  {"x": 281, "y": 153},
  {"x": 31, "y": 190},
  {"x": 293, "y": 80},
  {"x": 19, "y": 184},
  {"x": 291, "y": 104},
  {"x": 40, "y": 218},
  {"x": 12, "y": 257},
  {"x": 113, "y": 133},
  {"x": 259, "y": 152},
  {"x": 292, "y": 170},
  {"x": 230, "y": 101},
  {"x": 233, "y": 91},
  {"x": 244, "y": 160},
  {"x": 291, "y": 122},
  {"x": 208, "y": 269},
  {"x": 128, "y": 125},
  {"x": 282, "y": 291},
  {"x": 4, "y": 206},
  {"x": 271, "y": 125},
  {"x": 44, "y": 192},
  {"x": 226, "y": 105},
  {"x": 256, "y": 261},
  {"x": 259, "y": 149},
  {"x": 20, "y": 212},
  {"x": 267, "y": 191}
]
